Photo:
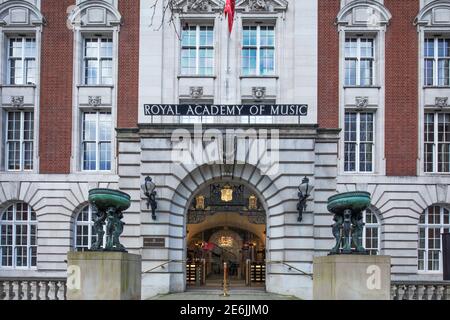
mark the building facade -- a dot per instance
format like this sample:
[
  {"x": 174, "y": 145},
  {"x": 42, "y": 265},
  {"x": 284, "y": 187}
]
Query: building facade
[{"x": 76, "y": 76}]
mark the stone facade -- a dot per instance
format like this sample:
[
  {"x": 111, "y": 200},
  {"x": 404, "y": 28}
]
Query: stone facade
[{"x": 309, "y": 63}]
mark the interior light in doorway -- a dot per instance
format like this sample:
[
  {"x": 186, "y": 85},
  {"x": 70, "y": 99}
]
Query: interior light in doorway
[
  {"x": 304, "y": 191},
  {"x": 148, "y": 187}
]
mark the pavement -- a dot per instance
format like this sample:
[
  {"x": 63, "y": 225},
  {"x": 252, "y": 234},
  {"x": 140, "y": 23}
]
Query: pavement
[{"x": 218, "y": 295}]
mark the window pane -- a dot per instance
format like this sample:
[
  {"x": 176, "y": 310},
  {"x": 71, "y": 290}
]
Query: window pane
[
  {"x": 206, "y": 36},
  {"x": 249, "y": 61},
  {"x": 91, "y": 48},
  {"x": 429, "y": 72},
  {"x": 89, "y": 126},
  {"x": 267, "y": 61},
  {"x": 367, "y": 48},
  {"x": 106, "y": 48},
  {"x": 350, "y": 72},
  {"x": 443, "y": 72},
  {"x": 107, "y": 76},
  {"x": 429, "y": 48},
  {"x": 351, "y": 48},
  {"x": 366, "y": 68},
  {"x": 188, "y": 61},
  {"x": 206, "y": 61},
  {"x": 188, "y": 36},
  {"x": 250, "y": 36},
  {"x": 105, "y": 156},
  {"x": 89, "y": 156},
  {"x": 91, "y": 72},
  {"x": 16, "y": 71},
  {"x": 30, "y": 48},
  {"x": 105, "y": 126}
]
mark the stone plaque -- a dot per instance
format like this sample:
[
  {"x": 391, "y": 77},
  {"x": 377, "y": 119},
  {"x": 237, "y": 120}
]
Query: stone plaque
[{"x": 154, "y": 242}]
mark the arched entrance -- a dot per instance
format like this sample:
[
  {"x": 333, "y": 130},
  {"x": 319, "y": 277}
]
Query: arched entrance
[{"x": 226, "y": 233}]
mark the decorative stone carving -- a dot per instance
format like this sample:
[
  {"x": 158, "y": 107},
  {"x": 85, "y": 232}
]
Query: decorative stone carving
[
  {"x": 17, "y": 101},
  {"x": 261, "y": 5},
  {"x": 257, "y": 5},
  {"x": 95, "y": 101},
  {"x": 196, "y": 92},
  {"x": 362, "y": 102},
  {"x": 259, "y": 92},
  {"x": 441, "y": 102},
  {"x": 199, "y": 5}
]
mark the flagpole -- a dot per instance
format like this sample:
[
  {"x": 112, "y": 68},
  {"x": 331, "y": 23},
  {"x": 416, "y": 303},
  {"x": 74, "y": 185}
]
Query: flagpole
[{"x": 228, "y": 67}]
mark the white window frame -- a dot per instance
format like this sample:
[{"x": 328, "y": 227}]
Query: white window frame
[
  {"x": 441, "y": 226},
  {"x": 99, "y": 59},
  {"x": 436, "y": 60},
  {"x": 435, "y": 144},
  {"x": 376, "y": 225},
  {"x": 359, "y": 58},
  {"x": 23, "y": 58},
  {"x": 21, "y": 140},
  {"x": 358, "y": 142},
  {"x": 197, "y": 51},
  {"x": 88, "y": 223},
  {"x": 258, "y": 50},
  {"x": 97, "y": 140},
  {"x": 14, "y": 223}
]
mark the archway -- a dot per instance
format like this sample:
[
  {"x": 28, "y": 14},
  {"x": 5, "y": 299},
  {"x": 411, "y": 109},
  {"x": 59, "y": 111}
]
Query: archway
[{"x": 226, "y": 234}]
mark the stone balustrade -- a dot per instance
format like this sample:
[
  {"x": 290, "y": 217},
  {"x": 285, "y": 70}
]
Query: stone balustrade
[
  {"x": 32, "y": 289},
  {"x": 420, "y": 290}
]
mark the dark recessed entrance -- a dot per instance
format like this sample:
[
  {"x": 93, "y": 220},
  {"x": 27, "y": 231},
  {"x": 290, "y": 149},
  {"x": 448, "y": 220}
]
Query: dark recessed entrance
[{"x": 226, "y": 234}]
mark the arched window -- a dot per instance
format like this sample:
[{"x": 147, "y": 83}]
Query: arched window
[
  {"x": 18, "y": 244},
  {"x": 433, "y": 222},
  {"x": 371, "y": 235},
  {"x": 84, "y": 236}
]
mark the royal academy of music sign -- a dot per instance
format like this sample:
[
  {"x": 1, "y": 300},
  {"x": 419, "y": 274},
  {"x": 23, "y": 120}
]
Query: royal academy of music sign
[{"x": 202, "y": 110}]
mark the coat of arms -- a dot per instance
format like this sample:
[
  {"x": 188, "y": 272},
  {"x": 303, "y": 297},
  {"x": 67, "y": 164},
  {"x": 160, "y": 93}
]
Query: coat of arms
[{"x": 226, "y": 193}]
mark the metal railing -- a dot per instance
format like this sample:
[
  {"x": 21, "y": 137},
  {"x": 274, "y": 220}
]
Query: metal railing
[
  {"x": 33, "y": 289},
  {"x": 420, "y": 290}
]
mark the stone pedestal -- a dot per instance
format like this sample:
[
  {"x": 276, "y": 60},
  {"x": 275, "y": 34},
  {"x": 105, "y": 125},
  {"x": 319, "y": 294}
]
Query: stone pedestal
[
  {"x": 103, "y": 276},
  {"x": 352, "y": 277}
]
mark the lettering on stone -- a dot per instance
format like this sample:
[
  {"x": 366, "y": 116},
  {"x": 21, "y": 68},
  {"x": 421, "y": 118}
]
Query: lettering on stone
[
  {"x": 202, "y": 110},
  {"x": 154, "y": 242}
]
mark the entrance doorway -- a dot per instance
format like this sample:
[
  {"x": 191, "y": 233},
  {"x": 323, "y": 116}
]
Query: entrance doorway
[{"x": 226, "y": 236}]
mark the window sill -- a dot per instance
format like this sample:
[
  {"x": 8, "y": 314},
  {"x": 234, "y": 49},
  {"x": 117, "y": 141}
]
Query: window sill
[
  {"x": 436, "y": 87},
  {"x": 180, "y": 76},
  {"x": 260, "y": 77},
  {"x": 18, "y": 86},
  {"x": 95, "y": 86},
  {"x": 362, "y": 87}
]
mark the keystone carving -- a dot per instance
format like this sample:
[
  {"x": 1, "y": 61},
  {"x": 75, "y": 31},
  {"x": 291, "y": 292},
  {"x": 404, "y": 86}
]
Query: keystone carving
[
  {"x": 362, "y": 102},
  {"x": 441, "y": 102},
  {"x": 17, "y": 101},
  {"x": 259, "y": 92},
  {"x": 196, "y": 92},
  {"x": 95, "y": 101}
]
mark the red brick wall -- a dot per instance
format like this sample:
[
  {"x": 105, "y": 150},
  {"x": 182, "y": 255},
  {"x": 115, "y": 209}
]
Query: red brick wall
[
  {"x": 56, "y": 89},
  {"x": 128, "y": 87},
  {"x": 328, "y": 64},
  {"x": 401, "y": 120}
]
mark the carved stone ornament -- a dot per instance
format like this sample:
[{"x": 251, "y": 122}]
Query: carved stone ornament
[
  {"x": 257, "y": 5},
  {"x": 95, "y": 101},
  {"x": 17, "y": 101},
  {"x": 196, "y": 92},
  {"x": 259, "y": 92},
  {"x": 441, "y": 102},
  {"x": 362, "y": 102},
  {"x": 199, "y": 5}
]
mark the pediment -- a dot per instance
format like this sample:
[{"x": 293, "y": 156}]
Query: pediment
[
  {"x": 95, "y": 13},
  {"x": 436, "y": 13},
  {"x": 366, "y": 13},
  {"x": 261, "y": 5},
  {"x": 199, "y": 6},
  {"x": 20, "y": 13}
]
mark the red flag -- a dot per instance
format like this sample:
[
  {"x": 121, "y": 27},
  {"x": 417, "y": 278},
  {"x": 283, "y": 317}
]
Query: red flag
[{"x": 229, "y": 10}]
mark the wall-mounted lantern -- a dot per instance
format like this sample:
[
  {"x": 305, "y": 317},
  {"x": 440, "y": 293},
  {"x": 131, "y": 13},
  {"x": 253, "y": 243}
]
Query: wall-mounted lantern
[
  {"x": 304, "y": 191},
  {"x": 148, "y": 187}
]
